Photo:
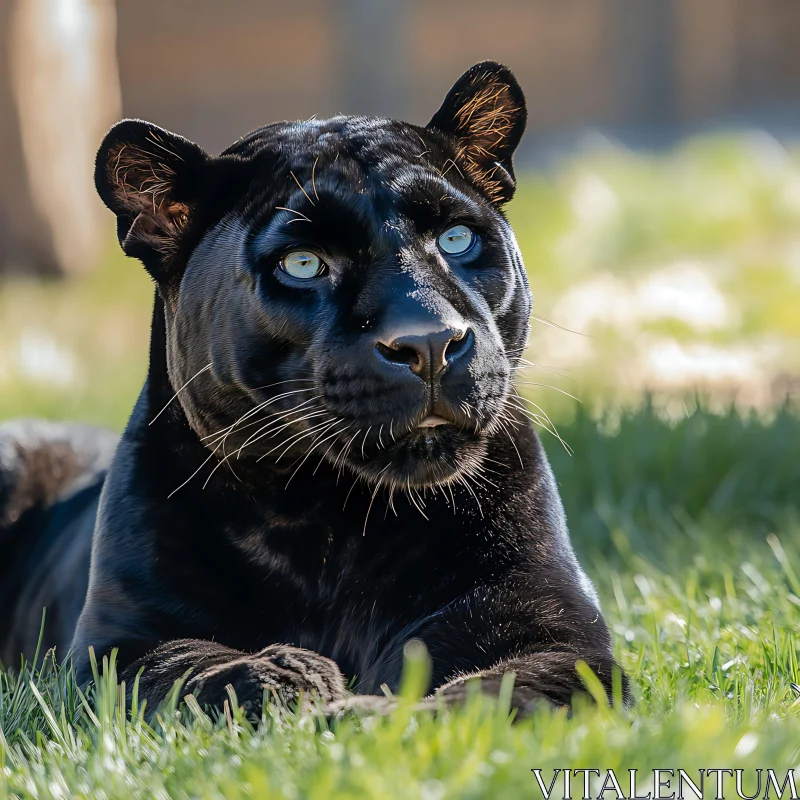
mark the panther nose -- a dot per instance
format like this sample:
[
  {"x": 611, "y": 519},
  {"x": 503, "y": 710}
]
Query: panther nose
[{"x": 426, "y": 354}]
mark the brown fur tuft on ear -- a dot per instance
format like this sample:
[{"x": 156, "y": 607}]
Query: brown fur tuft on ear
[
  {"x": 138, "y": 176},
  {"x": 483, "y": 125},
  {"x": 148, "y": 177},
  {"x": 485, "y": 113}
]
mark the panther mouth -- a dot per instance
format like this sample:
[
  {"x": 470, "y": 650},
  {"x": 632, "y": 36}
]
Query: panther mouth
[
  {"x": 413, "y": 440},
  {"x": 433, "y": 421},
  {"x": 435, "y": 451}
]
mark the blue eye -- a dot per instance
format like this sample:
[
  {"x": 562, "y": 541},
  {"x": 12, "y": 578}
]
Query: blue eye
[
  {"x": 302, "y": 264},
  {"x": 457, "y": 240}
]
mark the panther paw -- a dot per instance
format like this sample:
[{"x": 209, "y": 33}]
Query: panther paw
[{"x": 286, "y": 674}]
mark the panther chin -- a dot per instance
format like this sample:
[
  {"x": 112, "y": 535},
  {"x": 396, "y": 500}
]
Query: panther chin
[{"x": 434, "y": 452}]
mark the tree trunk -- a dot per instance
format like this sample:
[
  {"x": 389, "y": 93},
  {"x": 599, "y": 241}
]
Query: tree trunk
[
  {"x": 26, "y": 245},
  {"x": 65, "y": 85}
]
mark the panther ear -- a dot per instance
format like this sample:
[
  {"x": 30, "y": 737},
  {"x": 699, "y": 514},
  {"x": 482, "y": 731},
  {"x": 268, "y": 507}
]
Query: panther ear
[
  {"x": 149, "y": 178},
  {"x": 485, "y": 113}
]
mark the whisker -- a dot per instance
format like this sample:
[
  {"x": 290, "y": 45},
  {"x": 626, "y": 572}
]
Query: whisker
[
  {"x": 504, "y": 421},
  {"x": 413, "y": 501},
  {"x": 169, "y": 402},
  {"x": 315, "y": 445},
  {"x": 256, "y": 409},
  {"x": 300, "y": 214},
  {"x": 390, "y": 503},
  {"x": 300, "y": 186},
  {"x": 561, "y": 327},
  {"x": 462, "y": 480},
  {"x": 538, "y": 419},
  {"x": 328, "y": 451},
  {"x": 313, "y": 182},
  {"x": 516, "y": 449},
  {"x": 345, "y": 450},
  {"x": 525, "y": 364},
  {"x": 366, "y": 433},
  {"x": 449, "y": 487},
  {"x": 357, "y": 479},
  {"x": 477, "y": 475},
  {"x": 283, "y": 422},
  {"x": 372, "y": 499},
  {"x": 554, "y": 388},
  {"x": 324, "y": 426},
  {"x": 536, "y": 406},
  {"x": 210, "y": 456},
  {"x": 226, "y": 458},
  {"x": 291, "y": 440},
  {"x": 345, "y": 453},
  {"x": 258, "y": 421}
]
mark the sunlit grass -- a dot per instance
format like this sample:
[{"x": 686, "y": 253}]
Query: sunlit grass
[
  {"x": 612, "y": 240},
  {"x": 76, "y": 349}
]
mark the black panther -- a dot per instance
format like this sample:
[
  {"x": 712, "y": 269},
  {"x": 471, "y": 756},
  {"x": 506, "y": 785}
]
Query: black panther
[{"x": 328, "y": 458}]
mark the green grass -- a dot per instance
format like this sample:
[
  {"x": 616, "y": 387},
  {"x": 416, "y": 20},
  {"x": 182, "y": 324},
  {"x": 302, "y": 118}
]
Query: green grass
[{"x": 689, "y": 528}]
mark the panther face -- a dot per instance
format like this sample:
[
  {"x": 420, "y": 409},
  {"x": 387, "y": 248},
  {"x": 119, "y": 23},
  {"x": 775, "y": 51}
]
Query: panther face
[{"x": 345, "y": 290}]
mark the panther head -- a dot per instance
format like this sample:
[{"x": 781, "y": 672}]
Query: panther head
[{"x": 347, "y": 287}]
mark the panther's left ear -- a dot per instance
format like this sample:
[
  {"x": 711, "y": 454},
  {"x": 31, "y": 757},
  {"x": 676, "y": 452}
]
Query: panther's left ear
[
  {"x": 485, "y": 113},
  {"x": 150, "y": 179}
]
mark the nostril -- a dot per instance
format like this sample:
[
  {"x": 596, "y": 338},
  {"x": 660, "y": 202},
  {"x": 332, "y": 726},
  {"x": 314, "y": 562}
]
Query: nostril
[
  {"x": 398, "y": 355},
  {"x": 457, "y": 345}
]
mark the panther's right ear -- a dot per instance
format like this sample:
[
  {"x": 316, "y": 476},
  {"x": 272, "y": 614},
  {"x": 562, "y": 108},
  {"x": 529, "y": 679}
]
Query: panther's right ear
[{"x": 149, "y": 178}]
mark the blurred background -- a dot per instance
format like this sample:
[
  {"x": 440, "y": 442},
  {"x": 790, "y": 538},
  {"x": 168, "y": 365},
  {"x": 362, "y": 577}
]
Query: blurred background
[{"x": 659, "y": 181}]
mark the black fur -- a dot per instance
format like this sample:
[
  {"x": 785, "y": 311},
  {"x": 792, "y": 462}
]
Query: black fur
[{"x": 284, "y": 521}]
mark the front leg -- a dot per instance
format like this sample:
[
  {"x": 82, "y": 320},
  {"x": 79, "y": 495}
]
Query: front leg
[
  {"x": 283, "y": 672},
  {"x": 537, "y": 630},
  {"x": 545, "y": 678}
]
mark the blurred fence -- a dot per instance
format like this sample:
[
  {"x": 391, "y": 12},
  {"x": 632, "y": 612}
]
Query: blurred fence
[{"x": 214, "y": 70}]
